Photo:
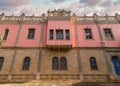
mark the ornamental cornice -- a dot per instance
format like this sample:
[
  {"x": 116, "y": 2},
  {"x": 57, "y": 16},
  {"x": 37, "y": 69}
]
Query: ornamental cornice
[{"x": 60, "y": 15}]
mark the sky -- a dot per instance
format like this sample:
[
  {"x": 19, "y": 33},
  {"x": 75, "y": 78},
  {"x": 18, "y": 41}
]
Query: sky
[{"x": 80, "y": 7}]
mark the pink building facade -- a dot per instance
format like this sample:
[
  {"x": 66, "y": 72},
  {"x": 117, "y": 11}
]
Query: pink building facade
[
  {"x": 83, "y": 43},
  {"x": 18, "y": 32}
]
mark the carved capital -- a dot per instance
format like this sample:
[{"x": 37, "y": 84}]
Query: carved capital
[
  {"x": 43, "y": 18},
  {"x": 73, "y": 18}
]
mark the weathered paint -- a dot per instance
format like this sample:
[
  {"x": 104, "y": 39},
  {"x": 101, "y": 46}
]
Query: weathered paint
[
  {"x": 116, "y": 34},
  {"x": 24, "y": 42},
  {"x": 94, "y": 42},
  {"x": 54, "y": 25},
  {"x": 83, "y": 42},
  {"x": 11, "y": 39}
]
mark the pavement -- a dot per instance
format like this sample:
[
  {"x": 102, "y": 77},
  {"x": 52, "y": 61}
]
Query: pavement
[{"x": 60, "y": 84}]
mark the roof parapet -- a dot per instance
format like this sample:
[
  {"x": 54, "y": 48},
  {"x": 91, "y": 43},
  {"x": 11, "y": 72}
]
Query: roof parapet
[{"x": 60, "y": 15}]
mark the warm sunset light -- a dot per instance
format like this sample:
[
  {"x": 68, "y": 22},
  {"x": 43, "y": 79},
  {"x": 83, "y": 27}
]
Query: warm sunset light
[{"x": 60, "y": 42}]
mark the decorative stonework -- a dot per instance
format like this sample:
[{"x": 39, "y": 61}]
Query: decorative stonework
[
  {"x": 22, "y": 19},
  {"x": 99, "y": 19},
  {"x": 59, "y": 15}
]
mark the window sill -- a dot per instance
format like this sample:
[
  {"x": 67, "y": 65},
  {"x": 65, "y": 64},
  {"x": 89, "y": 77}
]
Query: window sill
[
  {"x": 30, "y": 39},
  {"x": 89, "y": 39},
  {"x": 24, "y": 70},
  {"x": 110, "y": 39},
  {"x": 59, "y": 39},
  {"x": 94, "y": 71},
  {"x": 59, "y": 70}
]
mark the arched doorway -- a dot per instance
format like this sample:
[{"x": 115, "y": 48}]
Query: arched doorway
[{"x": 116, "y": 63}]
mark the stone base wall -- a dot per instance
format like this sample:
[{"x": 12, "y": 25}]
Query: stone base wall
[{"x": 41, "y": 65}]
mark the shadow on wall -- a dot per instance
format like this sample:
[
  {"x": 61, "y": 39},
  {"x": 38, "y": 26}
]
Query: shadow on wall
[{"x": 95, "y": 84}]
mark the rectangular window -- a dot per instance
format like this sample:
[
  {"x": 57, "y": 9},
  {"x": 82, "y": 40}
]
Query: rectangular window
[
  {"x": 59, "y": 34},
  {"x": 5, "y": 34},
  {"x": 67, "y": 35},
  {"x": 88, "y": 33},
  {"x": 108, "y": 34},
  {"x": 31, "y": 33},
  {"x": 51, "y": 34}
]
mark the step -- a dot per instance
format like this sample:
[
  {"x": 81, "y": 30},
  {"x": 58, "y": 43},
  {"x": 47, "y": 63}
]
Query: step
[
  {"x": 60, "y": 84},
  {"x": 37, "y": 84}
]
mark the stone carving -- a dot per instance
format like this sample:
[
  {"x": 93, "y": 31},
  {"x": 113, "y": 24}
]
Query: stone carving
[{"x": 59, "y": 15}]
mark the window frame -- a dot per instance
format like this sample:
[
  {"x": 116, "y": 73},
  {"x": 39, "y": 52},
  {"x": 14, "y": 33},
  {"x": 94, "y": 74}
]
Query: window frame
[
  {"x": 1, "y": 66},
  {"x": 66, "y": 33},
  {"x": 5, "y": 37},
  {"x": 63, "y": 67},
  {"x": 111, "y": 32},
  {"x": 95, "y": 66},
  {"x": 30, "y": 36},
  {"x": 50, "y": 34},
  {"x": 53, "y": 64},
  {"x": 90, "y": 34},
  {"x": 62, "y": 34},
  {"x": 23, "y": 67}
]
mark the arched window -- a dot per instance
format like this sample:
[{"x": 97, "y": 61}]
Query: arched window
[
  {"x": 26, "y": 63},
  {"x": 93, "y": 64},
  {"x": 55, "y": 63},
  {"x": 1, "y": 62},
  {"x": 63, "y": 63},
  {"x": 115, "y": 59}
]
